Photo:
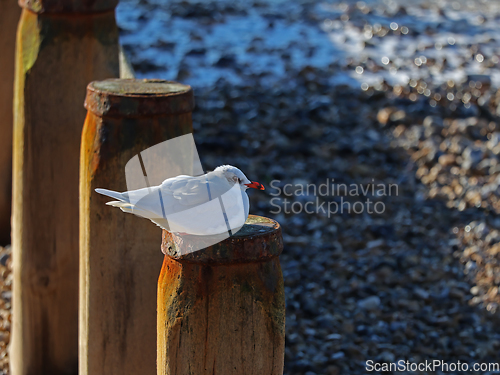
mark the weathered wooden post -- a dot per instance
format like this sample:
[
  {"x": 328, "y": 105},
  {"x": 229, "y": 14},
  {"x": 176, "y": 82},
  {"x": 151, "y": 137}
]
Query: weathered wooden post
[
  {"x": 9, "y": 17},
  {"x": 221, "y": 310},
  {"x": 61, "y": 46},
  {"x": 119, "y": 255}
]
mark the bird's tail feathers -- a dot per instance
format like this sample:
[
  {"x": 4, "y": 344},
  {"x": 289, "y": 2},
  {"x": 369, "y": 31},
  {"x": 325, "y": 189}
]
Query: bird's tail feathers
[
  {"x": 112, "y": 194},
  {"x": 131, "y": 209},
  {"x": 118, "y": 204}
]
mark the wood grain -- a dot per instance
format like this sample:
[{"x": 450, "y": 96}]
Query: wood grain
[
  {"x": 220, "y": 312},
  {"x": 120, "y": 257},
  {"x": 9, "y": 17},
  {"x": 57, "y": 55}
]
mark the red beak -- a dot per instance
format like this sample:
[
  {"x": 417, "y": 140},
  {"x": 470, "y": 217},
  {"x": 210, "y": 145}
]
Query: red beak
[{"x": 255, "y": 185}]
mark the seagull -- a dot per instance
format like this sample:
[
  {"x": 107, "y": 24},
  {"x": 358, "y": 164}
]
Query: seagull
[{"x": 211, "y": 204}]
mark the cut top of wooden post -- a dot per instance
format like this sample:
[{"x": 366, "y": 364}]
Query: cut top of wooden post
[
  {"x": 138, "y": 97},
  {"x": 257, "y": 241},
  {"x": 68, "y": 6}
]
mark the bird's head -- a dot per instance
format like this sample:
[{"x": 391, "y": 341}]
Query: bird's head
[{"x": 235, "y": 176}]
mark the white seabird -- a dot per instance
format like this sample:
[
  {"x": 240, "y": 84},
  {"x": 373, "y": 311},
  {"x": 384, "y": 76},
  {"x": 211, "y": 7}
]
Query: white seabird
[{"x": 213, "y": 203}]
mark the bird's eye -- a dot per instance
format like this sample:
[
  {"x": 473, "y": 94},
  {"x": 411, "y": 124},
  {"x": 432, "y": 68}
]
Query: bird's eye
[{"x": 239, "y": 180}]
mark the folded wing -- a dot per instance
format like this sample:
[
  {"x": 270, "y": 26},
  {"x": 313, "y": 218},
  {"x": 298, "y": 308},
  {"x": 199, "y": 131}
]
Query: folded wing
[{"x": 184, "y": 204}]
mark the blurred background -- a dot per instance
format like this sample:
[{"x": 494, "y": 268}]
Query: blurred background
[{"x": 390, "y": 92}]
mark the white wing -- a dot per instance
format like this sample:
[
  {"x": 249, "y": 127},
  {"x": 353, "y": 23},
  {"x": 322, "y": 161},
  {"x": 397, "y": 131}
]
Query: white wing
[{"x": 187, "y": 204}]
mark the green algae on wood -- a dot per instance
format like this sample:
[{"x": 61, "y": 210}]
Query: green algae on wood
[
  {"x": 56, "y": 56},
  {"x": 9, "y": 17}
]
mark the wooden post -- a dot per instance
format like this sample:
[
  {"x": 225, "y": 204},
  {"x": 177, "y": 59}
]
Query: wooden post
[
  {"x": 9, "y": 17},
  {"x": 221, "y": 310},
  {"x": 61, "y": 46},
  {"x": 119, "y": 255}
]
